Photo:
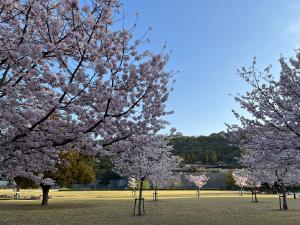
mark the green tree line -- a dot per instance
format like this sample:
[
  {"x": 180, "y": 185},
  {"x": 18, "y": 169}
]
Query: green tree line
[{"x": 206, "y": 149}]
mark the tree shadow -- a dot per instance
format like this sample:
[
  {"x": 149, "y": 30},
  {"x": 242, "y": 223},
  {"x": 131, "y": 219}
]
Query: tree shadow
[
  {"x": 286, "y": 211},
  {"x": 37, "y": 205}
]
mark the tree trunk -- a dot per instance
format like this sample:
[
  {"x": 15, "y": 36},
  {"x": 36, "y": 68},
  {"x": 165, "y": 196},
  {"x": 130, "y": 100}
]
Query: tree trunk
[
  {"x": 255, "y": 197},
  {"x": 17, "y": 195},
  {"x": 140, "y": 197},
  {"x": 241, "y": 191},
  {"x": 45, "y": 189},
  {"x": 198, "y": 192},
  {"x": 284, "y": 204},
  {"x": 155, "y": 194},
  {"x": 295, "y": 197},
  {"x": 133, "y": 192}
]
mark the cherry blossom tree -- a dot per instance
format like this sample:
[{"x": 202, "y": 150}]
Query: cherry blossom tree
[
  {"x": 269, "y": 135},
  {"x": 199, "y": 181},
  {"x": 175, "y": 180},
  {"x": 158, "y": 181},
  {"x": 253, "y": 182},
  {"x": 295, "y": 181},
  {"x": 250, "y": 179},
  {"x": 70, "y": 80},
  {"x": 143, "y": 157},
  {"x": 240, "y": 178},
  {"x": 272, "y": 163},
  {"x": 163, "y": 180},
  {"x": 132, "y": 184}
]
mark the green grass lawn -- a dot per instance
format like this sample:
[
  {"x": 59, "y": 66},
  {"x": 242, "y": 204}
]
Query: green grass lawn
[{"x": 173, "y": 208}]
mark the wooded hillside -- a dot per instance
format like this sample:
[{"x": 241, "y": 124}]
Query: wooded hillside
[{"x": 207, "y": 149}]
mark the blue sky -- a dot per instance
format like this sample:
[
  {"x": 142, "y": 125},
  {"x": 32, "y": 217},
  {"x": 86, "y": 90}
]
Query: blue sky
[{"x": 209, "y": 40}]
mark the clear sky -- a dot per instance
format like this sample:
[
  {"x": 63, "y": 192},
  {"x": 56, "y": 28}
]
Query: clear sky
[{"x": 209, "y": 40}]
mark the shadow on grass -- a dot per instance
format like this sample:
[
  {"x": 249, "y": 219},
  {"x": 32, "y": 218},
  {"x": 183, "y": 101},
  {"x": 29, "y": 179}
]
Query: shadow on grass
[
  {"x": 285, "y": 211},
  {"x": 259, "y": 202},
  {"x": 37, "y": 205}
]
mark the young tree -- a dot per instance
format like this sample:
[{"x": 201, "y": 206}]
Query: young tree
[
  {"x": 165, "y": 180},
  {"x": 144, "y": 156},
  {"x": 69, "y": 77},
  {"x": 157, "y": 182},
  {"x": 199, "y": 181},
  {"x": 132, "y": 184},
  {"x": 253, "y": 182},
  {"x": 240, "y": 177},
  {"x": 294, "y": 180},
  {"x": 174, "y": 181}
]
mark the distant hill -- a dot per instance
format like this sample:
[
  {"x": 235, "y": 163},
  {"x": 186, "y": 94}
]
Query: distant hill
[{"x": 206, "y": 149}]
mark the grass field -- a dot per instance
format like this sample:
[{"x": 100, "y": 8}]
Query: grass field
[{"x": 173, "y": 208}]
